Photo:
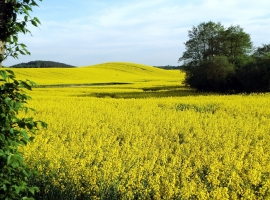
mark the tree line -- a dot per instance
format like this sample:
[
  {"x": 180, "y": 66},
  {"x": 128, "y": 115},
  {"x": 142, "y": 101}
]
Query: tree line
[
  {"x": 168, "y": 67},
  {"x": 220, "y": 59},
  {"x": 42, "y": 64}
]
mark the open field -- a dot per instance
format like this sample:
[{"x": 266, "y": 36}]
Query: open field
[
  {"x": 99, "y": 74},
  {"x": 149, "y": 139}
]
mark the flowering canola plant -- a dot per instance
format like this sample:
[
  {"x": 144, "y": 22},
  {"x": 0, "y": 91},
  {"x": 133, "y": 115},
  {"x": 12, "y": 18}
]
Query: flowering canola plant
[{"x": 180, "y": 147}]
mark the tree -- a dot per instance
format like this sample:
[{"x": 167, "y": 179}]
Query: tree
[
  {"x": 14, "y": 131},
  {"x": 213, "y": 53},
  {"x": 237, "y": 46},
  {"x": 212, "y": 39},
  {"x": 203, "y": 43},
  {"x": 11, "y": 26}
]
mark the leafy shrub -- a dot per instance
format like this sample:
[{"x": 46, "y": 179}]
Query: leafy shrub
[{"x": 14, "y": 132}]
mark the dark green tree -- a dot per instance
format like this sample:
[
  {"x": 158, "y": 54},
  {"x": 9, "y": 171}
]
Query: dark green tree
[
  {"x": 236, "y": 45},
  {"x": 211, "y": 49},
  {"x": 10, "y": 26},
  {"x": 42, "y": 64},
  {"x": 204, "y": 42},
  {"x": 212, "y": 39},
  {"x": 214, "y": 74},
  {"x": 255, "y": 75}
]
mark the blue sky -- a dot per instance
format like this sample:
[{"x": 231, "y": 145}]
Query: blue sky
[{"x": 152, "y": 32}]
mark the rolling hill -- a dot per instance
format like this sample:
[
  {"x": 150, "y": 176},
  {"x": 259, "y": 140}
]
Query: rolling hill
[{"x": 113, "y": 72}]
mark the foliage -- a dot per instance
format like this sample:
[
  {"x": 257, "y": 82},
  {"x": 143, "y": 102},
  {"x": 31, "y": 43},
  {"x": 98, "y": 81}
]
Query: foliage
[
  {"x": 212, "y": 39},
  {"x": 202, "y": 43},
  {"x": 10, "y": 26},
  {"x": 254, "y": 76},
  {"x": 210, "y": 75},
  {"x": 104, "y": 148},
  {"x": 219, "y": 59},
  {"x": 237, "y": 45},
  {"x": 42, "y": 64},
  {"x": 169, "y": 67},
  {"x": 263, "y": 51},
  {"x": 14, "y": 132}
]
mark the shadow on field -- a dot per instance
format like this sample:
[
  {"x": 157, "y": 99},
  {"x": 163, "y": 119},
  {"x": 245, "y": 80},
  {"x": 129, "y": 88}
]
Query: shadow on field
[
  {"x": 80, "y": 85},
  {"x": 149, "y": 92}
]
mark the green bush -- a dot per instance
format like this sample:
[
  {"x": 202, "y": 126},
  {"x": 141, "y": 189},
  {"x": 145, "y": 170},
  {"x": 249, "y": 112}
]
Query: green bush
[{"x": 14, "y": 132}]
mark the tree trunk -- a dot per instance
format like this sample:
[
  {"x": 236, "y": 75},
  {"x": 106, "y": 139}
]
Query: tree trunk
[
  {"x": 2, "y": 52},
  {"x": 2, "y": 29}
]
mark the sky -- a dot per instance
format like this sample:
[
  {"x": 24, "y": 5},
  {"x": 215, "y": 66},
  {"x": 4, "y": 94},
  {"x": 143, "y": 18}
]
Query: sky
[{"x": 151, "y": 32}]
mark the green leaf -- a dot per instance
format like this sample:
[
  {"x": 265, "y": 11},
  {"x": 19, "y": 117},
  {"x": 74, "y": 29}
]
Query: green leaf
[
  {"x": 33, "y": 189},
  {"x": 11, "y": 130},
  {"x": 27, "y": 7},
  {"x": 34, "y": 23},
  {"x": 43, "y": 124},
  {"x": 3, "y": 74},
  {"x": 37, "y": 20},
  {"x": 11, "y": 72},
  {"x": 9, "y": 159},
  {"x": 25, "y": 85},
  {"x": 33, "y": 3},
  {"x": 27, "y": 198},
  {"x": 22, "y": 52},
  {"x": 25, "y": 11},
  {"x": 23, "y": 45},
  {"x": 32, "y": 83},
  {"x": 26, "y": 18}
]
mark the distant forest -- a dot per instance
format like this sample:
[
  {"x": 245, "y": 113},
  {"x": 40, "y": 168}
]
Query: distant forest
[
  {"x": 42, "y": 64},
  {"x": 169, "y": 67}
]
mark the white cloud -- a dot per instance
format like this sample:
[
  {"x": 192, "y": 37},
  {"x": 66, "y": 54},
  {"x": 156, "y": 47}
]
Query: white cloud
[{"x": 137, "y": 30}]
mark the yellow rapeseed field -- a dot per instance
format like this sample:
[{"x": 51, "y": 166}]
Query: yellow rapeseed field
[
  {"x": 103, "y": 142},
  {"x": 102, "y": 73}
]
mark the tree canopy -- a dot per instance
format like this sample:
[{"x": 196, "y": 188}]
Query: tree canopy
[
  {"x": 223, "y": 60},
  {"x": 11, "y": 26},
  {"x": 263, "y": 51},
  {"x": 212, "y": 39}
]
